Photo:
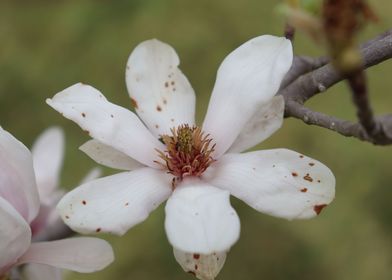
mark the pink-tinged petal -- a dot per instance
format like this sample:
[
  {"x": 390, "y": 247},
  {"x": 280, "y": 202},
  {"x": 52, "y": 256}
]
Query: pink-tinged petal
[
  {"x": 15, "y": 235},
  {"x": 41, "y": 272},
  {"x": 108, "y": 156},
  {"x": 160, "y": 92},
  {"x": 115, "y": 203},
  {"x": 40, "y": 223},
  {"x": 247, "y": 79},
  {"x": 106, "y": 122},
  {"x": 267, "y": 119},
  {"x": 48, "y": 153},
  {"x": 278, "y": 182},
  {"x": 17, "y": 179},
  {"x": 204, "y": 267},
  {"x": 82, "y": 254},
  {"x": 200, "y": 219}
]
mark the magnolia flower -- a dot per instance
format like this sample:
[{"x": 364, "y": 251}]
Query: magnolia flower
[
  {"x": 167, "y": 157},
  {"x": 19, "y": 205},
  {"x": 48, "y": 154}
]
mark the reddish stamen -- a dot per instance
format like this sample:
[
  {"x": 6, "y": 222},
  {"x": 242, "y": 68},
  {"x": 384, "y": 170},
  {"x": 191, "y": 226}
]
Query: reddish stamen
[{"x": 188, "y": 152}]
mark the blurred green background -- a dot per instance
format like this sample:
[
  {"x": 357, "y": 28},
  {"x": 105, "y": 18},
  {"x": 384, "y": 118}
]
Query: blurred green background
[{"x": 46, "y": 46}]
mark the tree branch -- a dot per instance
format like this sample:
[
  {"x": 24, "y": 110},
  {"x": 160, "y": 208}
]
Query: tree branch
[
  {"x": 306, "y": 86},
  {"x": 297, "y": 91}
]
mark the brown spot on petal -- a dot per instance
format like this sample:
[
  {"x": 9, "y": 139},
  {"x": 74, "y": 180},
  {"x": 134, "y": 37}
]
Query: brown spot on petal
[
  {"x": 166, "y": 84},
  {"x": 196, "y": 267},
  {"x": 98, "y": 229},
  {"x": 111, "y": 115},
  {"x": 318, "y": 208},
  {"x": 83, "y": 115},
  {"x": 304, "y": 190},
  {"x": 196, "y": 256},
  {"x": 172, "y": 83},
  {"x": 311, "y": 163},
  {"x": 84, "y": 202},
  {"x": 156, "y": 126},
  {"x": 164, "y": 101},
  {"x": 126, "y": 204},
  {"x": 318, "y": 181},
  {"x": 67, "y": 217},
  {"x": 295, "y": 174},
  {"x": 301, "y": 156},
  {"x": 159, "y": 108},
  {"x": 308, "y": 178},
  {"x": 134, "y": 103}
]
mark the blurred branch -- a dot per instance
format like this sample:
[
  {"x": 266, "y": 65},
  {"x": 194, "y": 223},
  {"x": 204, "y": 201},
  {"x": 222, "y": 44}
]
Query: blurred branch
[
  {"x": 297, "y": 88},
  {"x": 358, "y": 85}
]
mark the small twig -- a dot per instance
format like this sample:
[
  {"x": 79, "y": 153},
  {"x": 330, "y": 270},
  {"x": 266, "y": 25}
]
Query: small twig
[
  {"x": 302, "y": 65},
  {"x": 343, "y": 127},
  {"x": 358, "y": 85}
]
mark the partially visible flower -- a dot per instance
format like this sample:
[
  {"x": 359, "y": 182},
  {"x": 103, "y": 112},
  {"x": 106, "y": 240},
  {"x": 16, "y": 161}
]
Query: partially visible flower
[
  {"x": 19, "y": 205},
  {"x": 173, "y": 159},
  {"x": 48, "y": 154}
]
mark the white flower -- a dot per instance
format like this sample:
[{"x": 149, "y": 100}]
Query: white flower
[
  {"x": 192, "y": 170},
  {"x": 19, "y": 205}
]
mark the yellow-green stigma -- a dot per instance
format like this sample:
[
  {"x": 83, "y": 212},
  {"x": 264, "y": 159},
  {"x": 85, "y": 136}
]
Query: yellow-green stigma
[{"x": 188, "y": 152}]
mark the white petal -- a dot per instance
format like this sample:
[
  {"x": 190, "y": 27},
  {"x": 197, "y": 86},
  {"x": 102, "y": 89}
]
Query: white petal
[
  {"x": 17, "y": 180},
  {"x": 204, "y": 267},
  {"x": 200, "y": 219},
  {"x": 108, "y": 123},
  {"x": 161, "y": 94},
  {"x": 15, "y": 235},
  {"x": 82, "y": 254},
  {"x": 278, "y": 182},
  {"x": 267, "y": 119},
  {"x": 41, "y": 272},
  {"x": 93, "y": 174},
  {"x": 48, "y": 153},
  {"x": 248, "y": 78},
  {"x": 108, "y": 156},
  {"x": 115, "y": 203}
]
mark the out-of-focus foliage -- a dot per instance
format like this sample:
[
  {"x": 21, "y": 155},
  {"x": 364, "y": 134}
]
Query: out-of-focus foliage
[{"x": 46, "y": 46}]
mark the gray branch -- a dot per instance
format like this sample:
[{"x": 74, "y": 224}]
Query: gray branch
[{"x": 309, "y": 77}]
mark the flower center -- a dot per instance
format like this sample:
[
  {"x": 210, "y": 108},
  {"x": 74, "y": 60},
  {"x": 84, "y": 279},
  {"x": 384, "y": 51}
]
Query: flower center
[{"x": 188, "y": 152}]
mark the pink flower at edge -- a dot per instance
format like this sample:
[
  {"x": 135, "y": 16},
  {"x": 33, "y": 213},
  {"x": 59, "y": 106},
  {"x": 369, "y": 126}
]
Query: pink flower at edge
[
  {"x": 19, "y": 205},
  {"x": 48, "y": 154}
]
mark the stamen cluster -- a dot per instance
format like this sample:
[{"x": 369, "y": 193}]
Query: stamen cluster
[{"x": 188, "y": 152}]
